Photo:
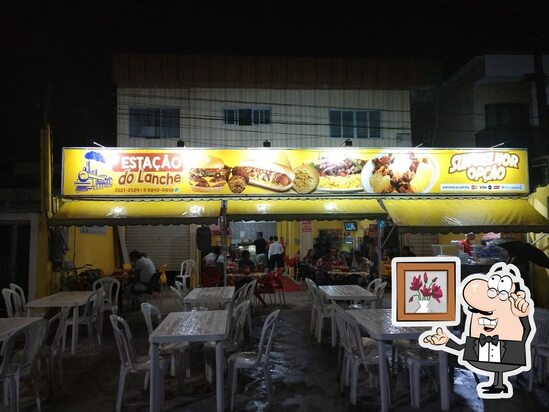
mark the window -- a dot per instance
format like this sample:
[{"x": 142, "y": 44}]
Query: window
[
  {"x": 154, "y": 123},
  {"x": 355, "y": 123},
  {"x": 507, "y": 116},
  {"x": 247, "y": 117}
]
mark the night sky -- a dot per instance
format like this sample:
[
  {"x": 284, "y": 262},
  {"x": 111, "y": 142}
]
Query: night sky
[{"x": 56, "y": 56}]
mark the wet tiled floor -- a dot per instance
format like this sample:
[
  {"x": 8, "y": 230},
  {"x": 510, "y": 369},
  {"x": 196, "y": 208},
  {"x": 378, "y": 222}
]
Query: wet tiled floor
[{"x": 304, "y": 375}]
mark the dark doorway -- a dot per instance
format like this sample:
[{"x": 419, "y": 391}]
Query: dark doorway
[{"x": 14, "y": 255}]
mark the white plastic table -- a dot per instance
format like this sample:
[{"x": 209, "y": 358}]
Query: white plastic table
[
  {"x": 377, "y": 323},
  {"x": 194, "y": 326},
  {"x": 219, "y": 295},
  {"x": 12, "y": 325},
  {"x": 72, "y": 299},
  {"x": 346, "y": 292},
  {"x": 337, "y": 293}
]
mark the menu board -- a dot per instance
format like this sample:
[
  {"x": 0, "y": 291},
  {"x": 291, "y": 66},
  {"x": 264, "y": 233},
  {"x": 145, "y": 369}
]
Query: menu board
[{"x": 181, "y": 172}]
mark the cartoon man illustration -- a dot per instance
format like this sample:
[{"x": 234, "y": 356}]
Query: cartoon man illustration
[{"x": 499, "y": 328}]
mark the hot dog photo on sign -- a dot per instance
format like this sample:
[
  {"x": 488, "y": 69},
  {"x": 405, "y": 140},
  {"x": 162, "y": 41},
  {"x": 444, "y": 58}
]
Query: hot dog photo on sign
[{"x": 275, "y": 174}]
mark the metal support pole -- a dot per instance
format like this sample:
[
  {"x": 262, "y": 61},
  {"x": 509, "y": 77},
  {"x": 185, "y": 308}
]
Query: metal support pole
[
  {"x": 223, "y": 228},
  {"x": 378, "y": 248}
]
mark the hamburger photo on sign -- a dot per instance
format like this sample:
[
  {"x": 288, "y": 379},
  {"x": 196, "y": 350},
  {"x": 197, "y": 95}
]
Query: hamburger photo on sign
[{"x": 209, "y": 174}]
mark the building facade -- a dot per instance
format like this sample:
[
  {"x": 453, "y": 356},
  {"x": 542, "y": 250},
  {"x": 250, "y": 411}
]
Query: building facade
[
  {"x": 488, "y": 101},
  {"x": 242, "y": 102},
  {"x": 219, "y": 101}
]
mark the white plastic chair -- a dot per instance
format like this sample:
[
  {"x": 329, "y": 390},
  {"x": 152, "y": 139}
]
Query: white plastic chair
[
  {"x": 178, "y": 352},
  {"x": 310, "y": 285},
  {"x": 16, "y": 365},
  {"x": 357, "y": 352},
  {"x": 373, "y": 285},
  {"x": 239, "y": 296},
  {"x": 416, "y": 360},
  {"x": 52, "y": 352},
  {"x": 186, "y": 271},
  {"x": 14, "y": 306},
  {"x": 111, "y": 286},
  {"x": 322, "y": 311},
  {"x": 379, "y": 291},
  {"x": 92, "y": 318},
  {"x": 180, "y": 286},
  {"x": 250, "y": 290},
  {"x": 178, "y": 298},
  {"x": 259, "y": 359},
  {"x": 19, "y": 290},
  {"x": 233, "y": 340},
  {"x": 367, "y": 343},
  {"x": 130, "y": 362}
]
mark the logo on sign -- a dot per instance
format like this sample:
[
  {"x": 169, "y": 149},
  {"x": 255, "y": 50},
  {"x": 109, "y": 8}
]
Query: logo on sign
[
  {"x": 88, "y": 178},
  {"x": 485, "y": 167}
]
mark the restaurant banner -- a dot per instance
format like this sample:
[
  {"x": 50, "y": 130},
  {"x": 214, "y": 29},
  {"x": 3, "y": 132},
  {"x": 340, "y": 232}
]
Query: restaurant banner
[{"x": 180, "y": 172}]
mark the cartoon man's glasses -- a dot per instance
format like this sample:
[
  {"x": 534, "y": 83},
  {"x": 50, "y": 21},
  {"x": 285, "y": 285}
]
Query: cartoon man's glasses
[{"x": 502, "y": 294}]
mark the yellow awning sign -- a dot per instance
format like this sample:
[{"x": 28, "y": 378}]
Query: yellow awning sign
[
  {"x": 94, "y": 212},
  {"x": 327, "y": 209},
  {"x": 464, "y": 215},
  {"x": 184, "y": 172}
]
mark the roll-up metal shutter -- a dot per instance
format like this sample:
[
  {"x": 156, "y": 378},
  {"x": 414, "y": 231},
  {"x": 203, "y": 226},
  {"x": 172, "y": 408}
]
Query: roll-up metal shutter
[
  {"x": 420, "y": 243},
  {"x": 168, "y": 244}
]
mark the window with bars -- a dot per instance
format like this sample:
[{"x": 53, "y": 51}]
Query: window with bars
[
  {"x": 154, "y": 122},
  {"x": 247, "y": 117},
  {"x": 355, "y": 123}
]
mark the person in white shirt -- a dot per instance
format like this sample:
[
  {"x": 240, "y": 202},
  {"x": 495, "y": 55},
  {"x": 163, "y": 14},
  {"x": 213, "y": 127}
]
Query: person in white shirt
[
  {"x": 214, "y": 257},
  {"x": 276, "y": 254},
  {"x": 143, "y": 269},
  {"x": 360, "y": 263}
]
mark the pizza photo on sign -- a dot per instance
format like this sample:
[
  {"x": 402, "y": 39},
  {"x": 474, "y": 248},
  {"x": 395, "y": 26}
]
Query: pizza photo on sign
[{"x": 399, "y": 173}]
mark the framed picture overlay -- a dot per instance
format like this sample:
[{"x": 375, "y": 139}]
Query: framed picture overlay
[{"x": 425, "y": 291}]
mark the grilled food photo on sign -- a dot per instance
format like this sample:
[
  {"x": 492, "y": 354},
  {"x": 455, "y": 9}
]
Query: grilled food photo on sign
[
  {"x": 208, "y": 175},
  {"x": 237, "y": 184},
  {"x": 340, "y": 174},
  {"x": 399, "y": 173},
  {"x": 275, "y": 174},
  {"x": 306, "y": 178}
]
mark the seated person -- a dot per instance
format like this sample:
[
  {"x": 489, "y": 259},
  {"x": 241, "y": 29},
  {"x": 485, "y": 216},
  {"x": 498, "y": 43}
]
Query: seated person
[
  {"x": 344, "y": 258},
  {"x": 335, "y": 257},
  {"x": 214, "y": 257},
  {"x": 323, "y": 266},
  {"x": 360, "y": 263},
  {"x": 306, "y": 266},
  {"x": 142, "y": 269},
  {"x": 245, "y": 262}
]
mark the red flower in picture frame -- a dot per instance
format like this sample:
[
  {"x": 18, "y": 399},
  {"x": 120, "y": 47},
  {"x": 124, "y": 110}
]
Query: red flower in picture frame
[
  {"x": 416, "y": 283},
  {"x": 437, "y": 292}
]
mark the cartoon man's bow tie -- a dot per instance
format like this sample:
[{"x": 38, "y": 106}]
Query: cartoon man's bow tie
[{"x": 483, "y": 339}]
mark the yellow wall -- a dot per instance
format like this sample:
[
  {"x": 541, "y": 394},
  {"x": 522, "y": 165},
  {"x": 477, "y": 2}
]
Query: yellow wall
[
  {"x": 362, "y": 227},
  {"x": 540, "y": 275},
  {"x": 43, "y": 267},
  {"x": 291, "y": 231},
  {"x": 97, "y": 250}
]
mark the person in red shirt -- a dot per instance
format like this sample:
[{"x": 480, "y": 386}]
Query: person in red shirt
[{"x": 467, "y": 242}]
